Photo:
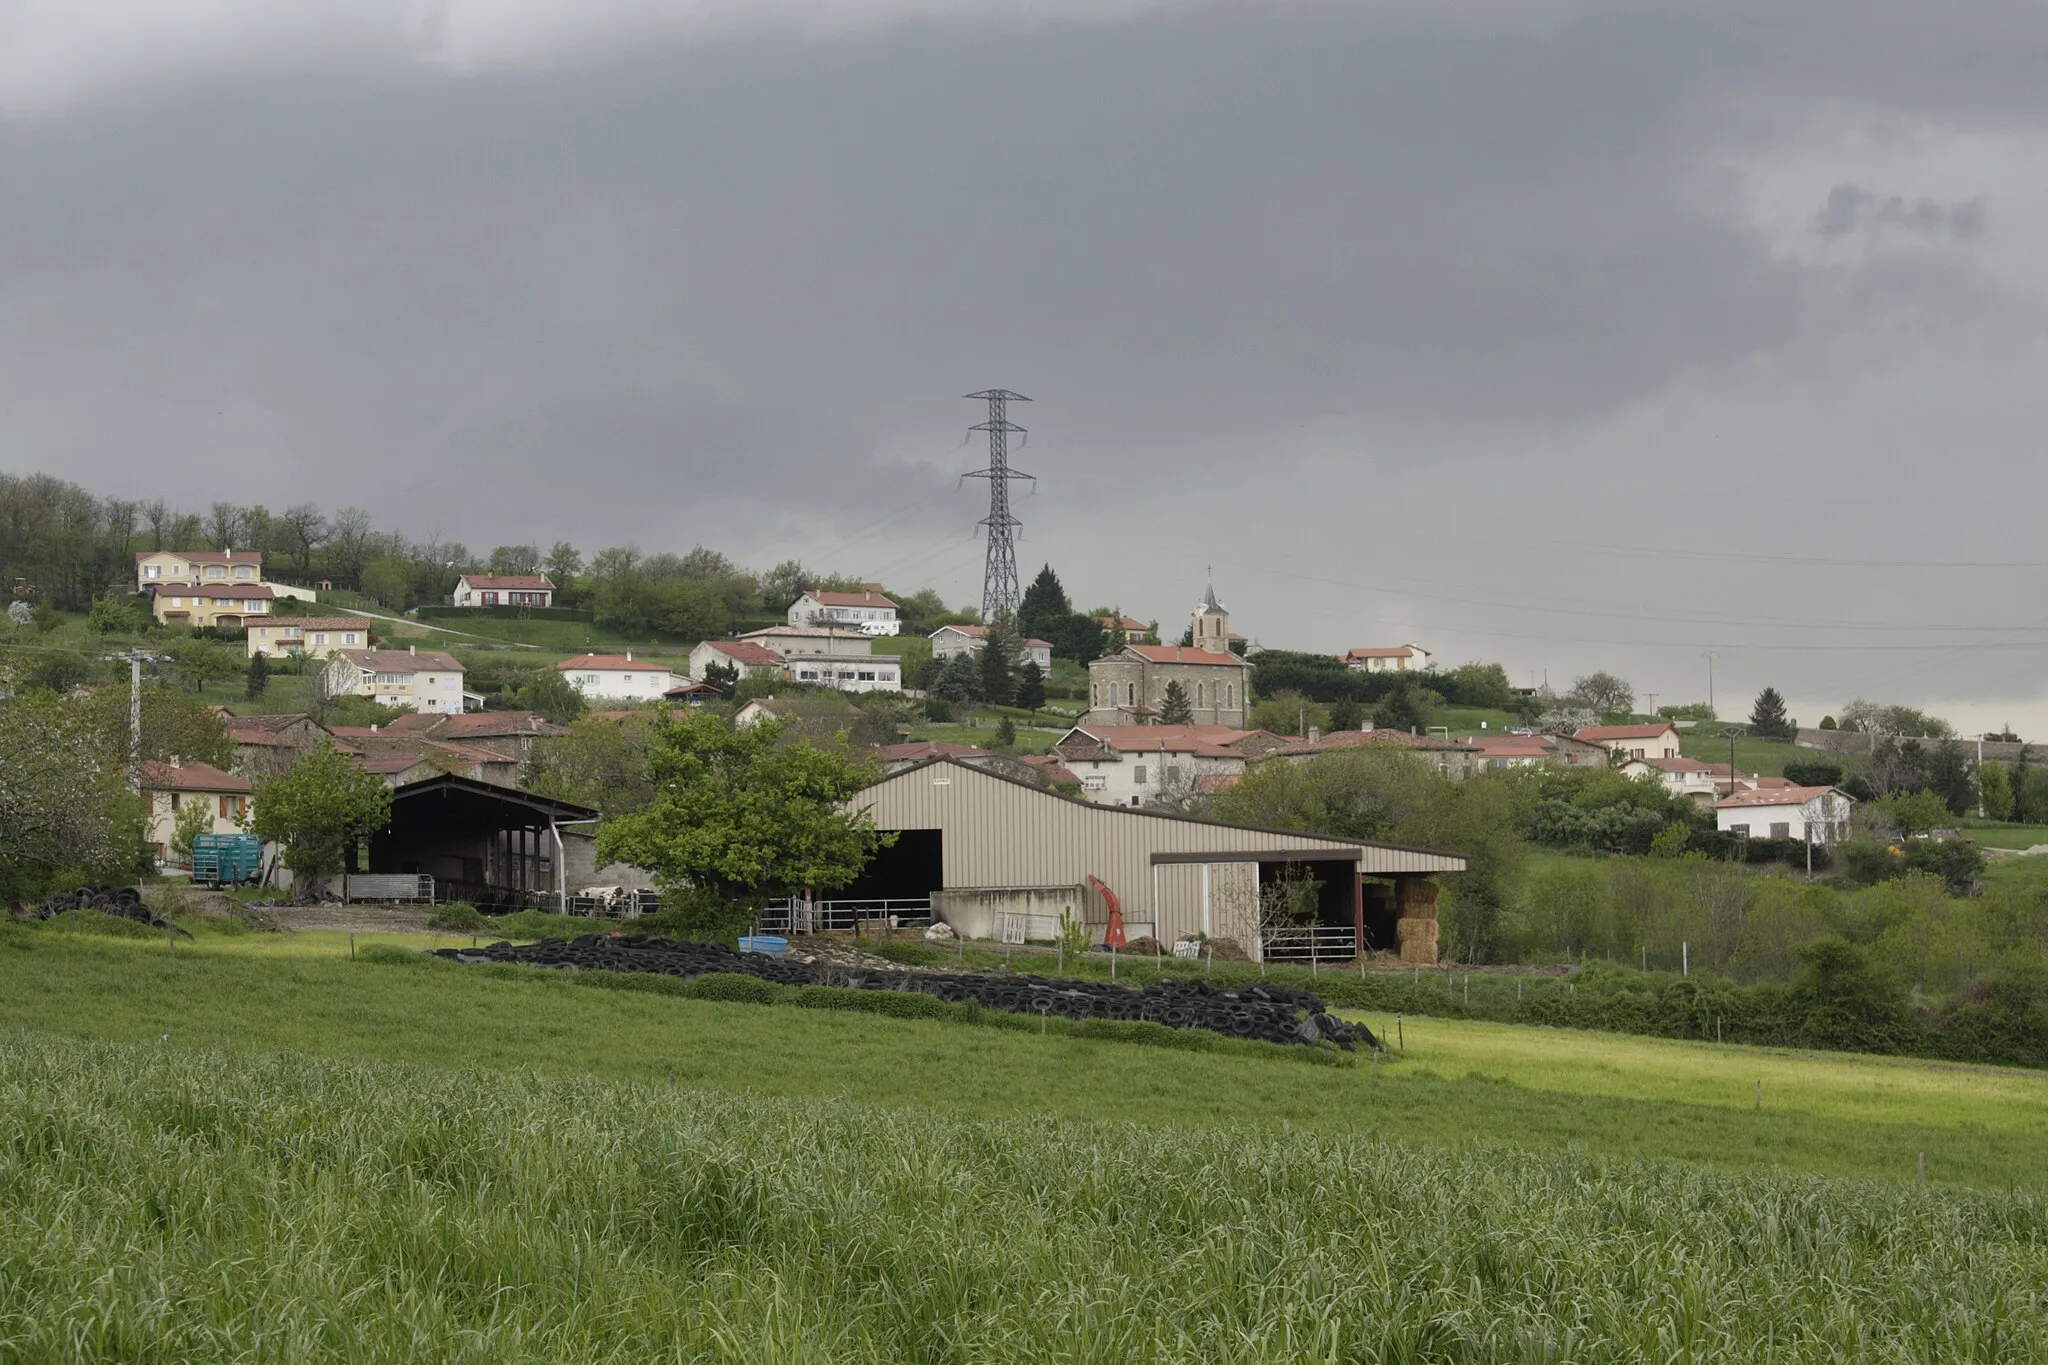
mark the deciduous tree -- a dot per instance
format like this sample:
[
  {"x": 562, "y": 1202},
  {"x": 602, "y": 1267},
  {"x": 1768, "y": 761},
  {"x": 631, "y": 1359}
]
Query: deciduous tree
[
  {"x": 1604, "y": 693},
  {"x": 739, "y": 818},
  {"x": 317, "y": 812}
]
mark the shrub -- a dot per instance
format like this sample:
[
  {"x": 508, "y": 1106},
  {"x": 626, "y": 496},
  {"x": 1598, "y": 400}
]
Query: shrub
[
  {"x": 735, "y": 987},
  {"x": 459, "y": 916}
]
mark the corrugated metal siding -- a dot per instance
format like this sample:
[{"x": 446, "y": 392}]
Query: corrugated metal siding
[{"x": 1000, "y": 833}]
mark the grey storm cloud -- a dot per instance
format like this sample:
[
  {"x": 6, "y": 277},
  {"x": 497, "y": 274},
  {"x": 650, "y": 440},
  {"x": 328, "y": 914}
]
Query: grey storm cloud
[
  {"x": 703, "y": 270},
  {"x": 1851, "y": 209}
]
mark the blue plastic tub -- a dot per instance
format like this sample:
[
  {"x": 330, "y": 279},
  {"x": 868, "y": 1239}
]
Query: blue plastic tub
[{"x": 765, "y": 944}]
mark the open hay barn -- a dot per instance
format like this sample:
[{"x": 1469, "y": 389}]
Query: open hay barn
[{"x": 991, "y": 853}]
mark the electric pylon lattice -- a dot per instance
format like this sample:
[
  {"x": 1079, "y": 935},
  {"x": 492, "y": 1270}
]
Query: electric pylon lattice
[{"x": 999, "y": 594}]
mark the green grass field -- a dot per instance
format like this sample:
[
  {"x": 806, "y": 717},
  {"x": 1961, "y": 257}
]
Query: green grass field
[
  {"x": 1765, "y": 756},
  {"x": 1544, "y": 1089},
  {"x": 2004, "y": 836},
  {"x": 262, "y": 1148}
]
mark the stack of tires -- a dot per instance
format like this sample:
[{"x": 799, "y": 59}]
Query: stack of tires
[{"x": 1266, "y": 1013}]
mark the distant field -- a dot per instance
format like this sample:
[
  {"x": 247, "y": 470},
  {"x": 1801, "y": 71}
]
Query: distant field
[
  {"x": 1464, "y": 721},
  {"x": 1765, "y": 756},
  {"x": 2007, "y": 836}
]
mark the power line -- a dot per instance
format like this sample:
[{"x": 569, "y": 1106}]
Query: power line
[{"x": 1659, "y": 552}]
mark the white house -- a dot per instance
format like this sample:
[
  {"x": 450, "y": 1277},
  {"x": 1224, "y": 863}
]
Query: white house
[
  {"x": 617, "y": 677},
  {"x": 1386, "y": 658},
  {"x": 848, "y": 673},
  {"x": 192, "y": 568},
  {"x": 504, "y": 590},
  {"x": 411, "y": 678},
  {"x": 1128, "y": 765},
  {"x": 315, "y": 637},
  {"x": 791, "y": 640},
  {"x": 948, "y": 641},
  {"x": 748, "y": 659},
  {"x": 868, "y": 612},
  {"x": 1818, "y": 815},
  {"x": 168, "y": 788},
  {"x": 1656, "y": 740}
]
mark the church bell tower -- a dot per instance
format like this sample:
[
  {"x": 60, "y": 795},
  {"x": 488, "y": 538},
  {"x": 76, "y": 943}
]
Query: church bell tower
[{"x": 1212, "y": 623}]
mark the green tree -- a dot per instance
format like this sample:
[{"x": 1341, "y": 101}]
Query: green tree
[
  {"x": 192, "y": 820},
  {"x": 723, "y": 676},
  {"x": 1289, "y": 713},
  {"x": 319, "y": 811},
  {"x": 1816, "y": 771},
  {"x": 600, "y": 763},
  {"x": 1994, "y": 789},
  {"x": 1410, "y": 708},
  {"x": 1006, "y": 734},
  {"x": 113, "y": 614},
  {"x": 1603, "y": 693},
  {"x": 1077, "y": 636},
  {"x": 1767, "y": 718},
  {"x": 65, "y": 803},
  {"x": 199, "y": 662},
  {"x": 999, "y": 651},
  {"x": 1828, "y": 723},
  {"x": 1174, "y": 706},
  {"x": 1045, "y": 604},
  {"x": 739, "y": 818},
  {"x": 174, "y": 725},
  {"x": 958, "y": 680},
  {"x": 1915, "y": 812},
  {"x": 1479, "y": 685},
  {"x": 1952, "y": 775},
  {"x": 259, "y": 675},
  {"x": 1840, "y": 1000},
  {"x": 388, "y": 582},
  {"x": 1030, "y": 686},
  {"x": 553, "y": 696}
]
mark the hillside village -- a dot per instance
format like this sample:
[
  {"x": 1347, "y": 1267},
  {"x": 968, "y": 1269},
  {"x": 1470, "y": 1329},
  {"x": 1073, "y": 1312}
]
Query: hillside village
[{"x": 466, "y": 679}]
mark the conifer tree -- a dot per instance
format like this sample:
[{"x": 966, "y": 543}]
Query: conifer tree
[
  {"x": 1767, "y": 719},
  {"x": 1174, "y": 707}
]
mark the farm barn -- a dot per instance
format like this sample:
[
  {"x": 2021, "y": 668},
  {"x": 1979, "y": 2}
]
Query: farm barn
[
  {"x": 495, "y": 846},
  {"x": 988, "y": 852}
]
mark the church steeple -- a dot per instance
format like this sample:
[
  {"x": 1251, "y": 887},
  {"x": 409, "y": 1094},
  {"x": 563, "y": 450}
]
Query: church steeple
[{"x": 1212, "y": 622}]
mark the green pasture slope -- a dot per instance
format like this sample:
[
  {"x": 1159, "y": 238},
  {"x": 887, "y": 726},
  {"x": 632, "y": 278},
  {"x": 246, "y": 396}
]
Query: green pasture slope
[{"x": 371, "y": 1159}]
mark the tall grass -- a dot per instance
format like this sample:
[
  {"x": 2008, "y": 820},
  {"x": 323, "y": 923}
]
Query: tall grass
[{"x": 165, "y": 1205}]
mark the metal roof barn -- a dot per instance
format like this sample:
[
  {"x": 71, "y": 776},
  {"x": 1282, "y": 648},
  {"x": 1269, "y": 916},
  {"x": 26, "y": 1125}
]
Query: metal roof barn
[{"x": 984, "y": 847}]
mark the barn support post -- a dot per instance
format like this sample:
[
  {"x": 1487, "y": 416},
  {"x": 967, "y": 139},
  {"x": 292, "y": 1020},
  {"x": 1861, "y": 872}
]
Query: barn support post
[{"x": 1358, "y": 914}]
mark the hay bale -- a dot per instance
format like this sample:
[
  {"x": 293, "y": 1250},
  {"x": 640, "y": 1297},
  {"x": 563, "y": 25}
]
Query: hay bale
[
  {"x": 1418, "y": 898},
  {"x": 1416, "y": 930},
  {"x": 1419, "y": 952}
]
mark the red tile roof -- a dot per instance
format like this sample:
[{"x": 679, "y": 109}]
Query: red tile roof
[
  {"x": 1393, "y": 739},
  {"x": 1777, "y": 796},
  {"x": 205, "y": 556},
  {"x": 981, "y": 632},
  {"x": 245, "y": 591},
  {"x": 850, "y": 599},
  {"x": 612, "y": 663},
  {"x": 191, "y": 777},
  {"x": 917, "y": 750},
  {"x": 320, "y": 622},
  {"x": 1203, "y": 741},
  {"x": 1682, "y": 765},
  {"x": 1186, "y": 654},
  {"x": 1380, "y": 652},
  {"x": 748, "y": 653},
  {"x": 402, "y": 660},
  {"x": 474, "y": 725},
  {"x": 1598, "y": 733},
  {"x": 1132, "y": 625},
  {"x": 515, "y": 581}
]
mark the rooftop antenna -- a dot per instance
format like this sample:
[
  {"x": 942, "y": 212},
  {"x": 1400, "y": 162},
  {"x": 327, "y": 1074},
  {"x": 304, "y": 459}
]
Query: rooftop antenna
[{"x": 999, "y": 579}]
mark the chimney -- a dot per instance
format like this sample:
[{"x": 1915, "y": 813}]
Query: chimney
[
  {"x": 373, "y": 727},
  {"x": 174, "y": 760},
  {"x": 629, "y": 656},
  {"x": 412, "y": 649},
  {"x": 1315, "y": 735}
]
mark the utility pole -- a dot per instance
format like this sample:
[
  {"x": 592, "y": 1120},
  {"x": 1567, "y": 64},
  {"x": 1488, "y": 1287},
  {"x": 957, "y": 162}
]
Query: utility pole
[
  {"x": 1710, "y": 655},
  {"x": 1653, "y": 702},
  {"x": 135, "y": 721},
  {"x": 999, "y": 577}
]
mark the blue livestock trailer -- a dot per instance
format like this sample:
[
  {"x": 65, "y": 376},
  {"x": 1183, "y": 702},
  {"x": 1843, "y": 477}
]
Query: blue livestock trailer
[{"x": 226, "y": 859}]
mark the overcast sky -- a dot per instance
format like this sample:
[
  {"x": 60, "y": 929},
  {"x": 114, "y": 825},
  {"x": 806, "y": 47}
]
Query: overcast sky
[{"x": 1572, "y": 335}]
